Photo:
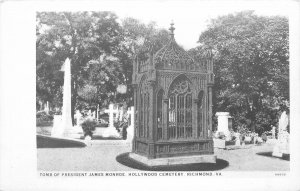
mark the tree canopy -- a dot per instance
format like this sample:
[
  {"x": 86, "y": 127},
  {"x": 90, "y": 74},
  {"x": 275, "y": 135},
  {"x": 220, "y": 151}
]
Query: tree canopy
[
  {"x": 101, "y": 49},
  {"x": 251, "y": 66}
]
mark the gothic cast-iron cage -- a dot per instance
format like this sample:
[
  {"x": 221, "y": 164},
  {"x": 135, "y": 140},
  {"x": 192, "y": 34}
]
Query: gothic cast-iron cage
[{"x": 173, "y": 101}]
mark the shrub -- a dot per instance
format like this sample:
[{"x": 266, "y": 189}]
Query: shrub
[
  {"x": 43, "y": 118},
  {"x": 88, "y": 126}
]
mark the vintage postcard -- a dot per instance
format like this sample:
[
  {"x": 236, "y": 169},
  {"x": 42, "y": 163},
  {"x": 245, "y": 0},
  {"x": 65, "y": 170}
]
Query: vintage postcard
[{"x": 133, "y": 92}]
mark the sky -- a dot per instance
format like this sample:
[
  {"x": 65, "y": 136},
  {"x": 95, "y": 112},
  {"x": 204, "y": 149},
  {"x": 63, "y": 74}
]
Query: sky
[{"x": 191, "y": 17}]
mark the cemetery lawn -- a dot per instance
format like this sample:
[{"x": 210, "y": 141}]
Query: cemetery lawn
[{"x": 101, "y": 156}]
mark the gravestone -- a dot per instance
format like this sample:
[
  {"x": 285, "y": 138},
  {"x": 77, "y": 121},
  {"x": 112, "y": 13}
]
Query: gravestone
[
  {"x": 78, "y": 117},
  {"x": 47, "y": 109},
  {"x": 111, "y": 131},
  {"x": 273, "y": 132},
  {"x": 282, "y": 145},
  {"x": 130, "y": 129},
  {"x": 223, "y": 124},
  {"x": 237, "y": 139}
]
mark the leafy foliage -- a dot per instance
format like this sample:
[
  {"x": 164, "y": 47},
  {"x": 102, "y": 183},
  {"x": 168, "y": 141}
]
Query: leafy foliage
[
  {"x": 88, "y": 126},
  {"x": 251, "y": 66},
  {"x": 101, "y": 51}
]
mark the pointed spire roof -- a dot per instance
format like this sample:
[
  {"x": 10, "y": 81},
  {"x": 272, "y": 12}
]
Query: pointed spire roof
[{"x": 172, "y": 56}]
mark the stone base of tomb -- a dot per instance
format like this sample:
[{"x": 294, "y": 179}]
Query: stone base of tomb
[
  {"x": 172, "y": 148},
  {"x": 174, "y": 160}
]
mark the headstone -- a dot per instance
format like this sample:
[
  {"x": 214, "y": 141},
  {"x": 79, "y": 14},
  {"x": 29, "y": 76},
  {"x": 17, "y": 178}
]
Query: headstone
[
  {"x": 111, "y": 131},
  {"x": 259, "y": 140},
  {"x": 78, "y": 117},
  {"x": 47, "y": 108},
  {"x": 282, "y": 145},
  {"x": 130, "y": 129},
  {"x": 273, "y": 132},
  {"x": 94, "y": 114},
  {"x": 121, "y": 112},
  {"x": 237, "y": 139},
  {"x": 248, "y": 139},
  {"x": 219, "y": 143},
  {"x": 223, "y": 119}
]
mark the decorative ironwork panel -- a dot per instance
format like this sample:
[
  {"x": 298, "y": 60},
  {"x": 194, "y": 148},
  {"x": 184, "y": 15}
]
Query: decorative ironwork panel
[
  {"x": 188, "y": 115},
  {"x": 200, "y": 113},
  {"x": 159, "y": 114},
  {"x": 141, "y": 131},
  {"x": 180, "y": 110},
  {"x": 172, "y": 117}
]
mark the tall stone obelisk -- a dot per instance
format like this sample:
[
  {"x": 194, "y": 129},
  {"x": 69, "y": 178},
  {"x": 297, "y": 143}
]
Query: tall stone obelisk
[
  {"x": 66, "y": 120},
  {"x": 63, "y": 127}
]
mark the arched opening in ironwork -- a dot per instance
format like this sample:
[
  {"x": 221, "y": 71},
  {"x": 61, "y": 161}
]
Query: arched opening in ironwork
[
  {"x": 144, "y": 109},
  {"x": 200, "y": 113},
  {"x": 160, "y": 114},
  {"x": 180, "y": 109}
]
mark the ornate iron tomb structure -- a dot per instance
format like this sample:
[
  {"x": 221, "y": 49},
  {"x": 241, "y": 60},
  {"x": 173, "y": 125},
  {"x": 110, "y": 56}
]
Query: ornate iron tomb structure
[{"x": 173, "y": 105}]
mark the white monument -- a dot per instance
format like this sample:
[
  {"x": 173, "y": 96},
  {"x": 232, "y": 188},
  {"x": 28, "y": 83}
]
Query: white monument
[
  {"x": 111, "y": 131},
  {"x": 64, "y": 127},
  {"x": 273, "y": 132},
  {"x": 237, "y": 139},
  {"x": 223, "y": 118},
  {"x": 130, "y": 129},
  {"x": 282, "y": 145}
]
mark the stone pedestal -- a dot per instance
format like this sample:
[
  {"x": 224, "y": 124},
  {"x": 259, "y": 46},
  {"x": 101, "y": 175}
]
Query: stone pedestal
[
  {"x": 219, "y": 143},
  {"x": 282, "y": 145},
  {"x": 57, "y": 130},
  {"x": 174, "y": 160},
  {"x": 223, "y": 121}
]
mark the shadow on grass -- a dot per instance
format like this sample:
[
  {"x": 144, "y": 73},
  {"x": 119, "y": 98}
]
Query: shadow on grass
[
  {"x": 97, "y": 137},
  {"x": 269, "y": 154},
  {"x": 52, "y": 142},
  {"x": 124, "y": 159}
]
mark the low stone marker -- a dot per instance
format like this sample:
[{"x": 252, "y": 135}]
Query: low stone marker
[
  {"x": 237, "y": 139},
  {"x": 219, "y": 143}
]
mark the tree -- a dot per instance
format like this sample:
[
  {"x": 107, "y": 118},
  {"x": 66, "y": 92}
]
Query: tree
[
  {"x": 90, "y": 39},
  {"x": 101, "y": 52},
  {"x": 251, "y": 65}
]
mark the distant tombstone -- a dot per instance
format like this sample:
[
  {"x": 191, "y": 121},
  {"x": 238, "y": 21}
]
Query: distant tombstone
[
  {"x": 223, "y": 124},
  {"x": 94, "y": 114},
  {"x": 259, "y": 140},
  {"x": 237, "y": 139},
  {"x": 111, "y": 130},
  {"x": 273, "y": 132},
  {"x": 78, "y": 117},
  {"x": 89, "y": 114},
  {"x": 47, "y": 107},
  {"x": 248, "y": 139},
  {"x": 282, "y": 145},
  {"x": 130, "y": 129}
]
